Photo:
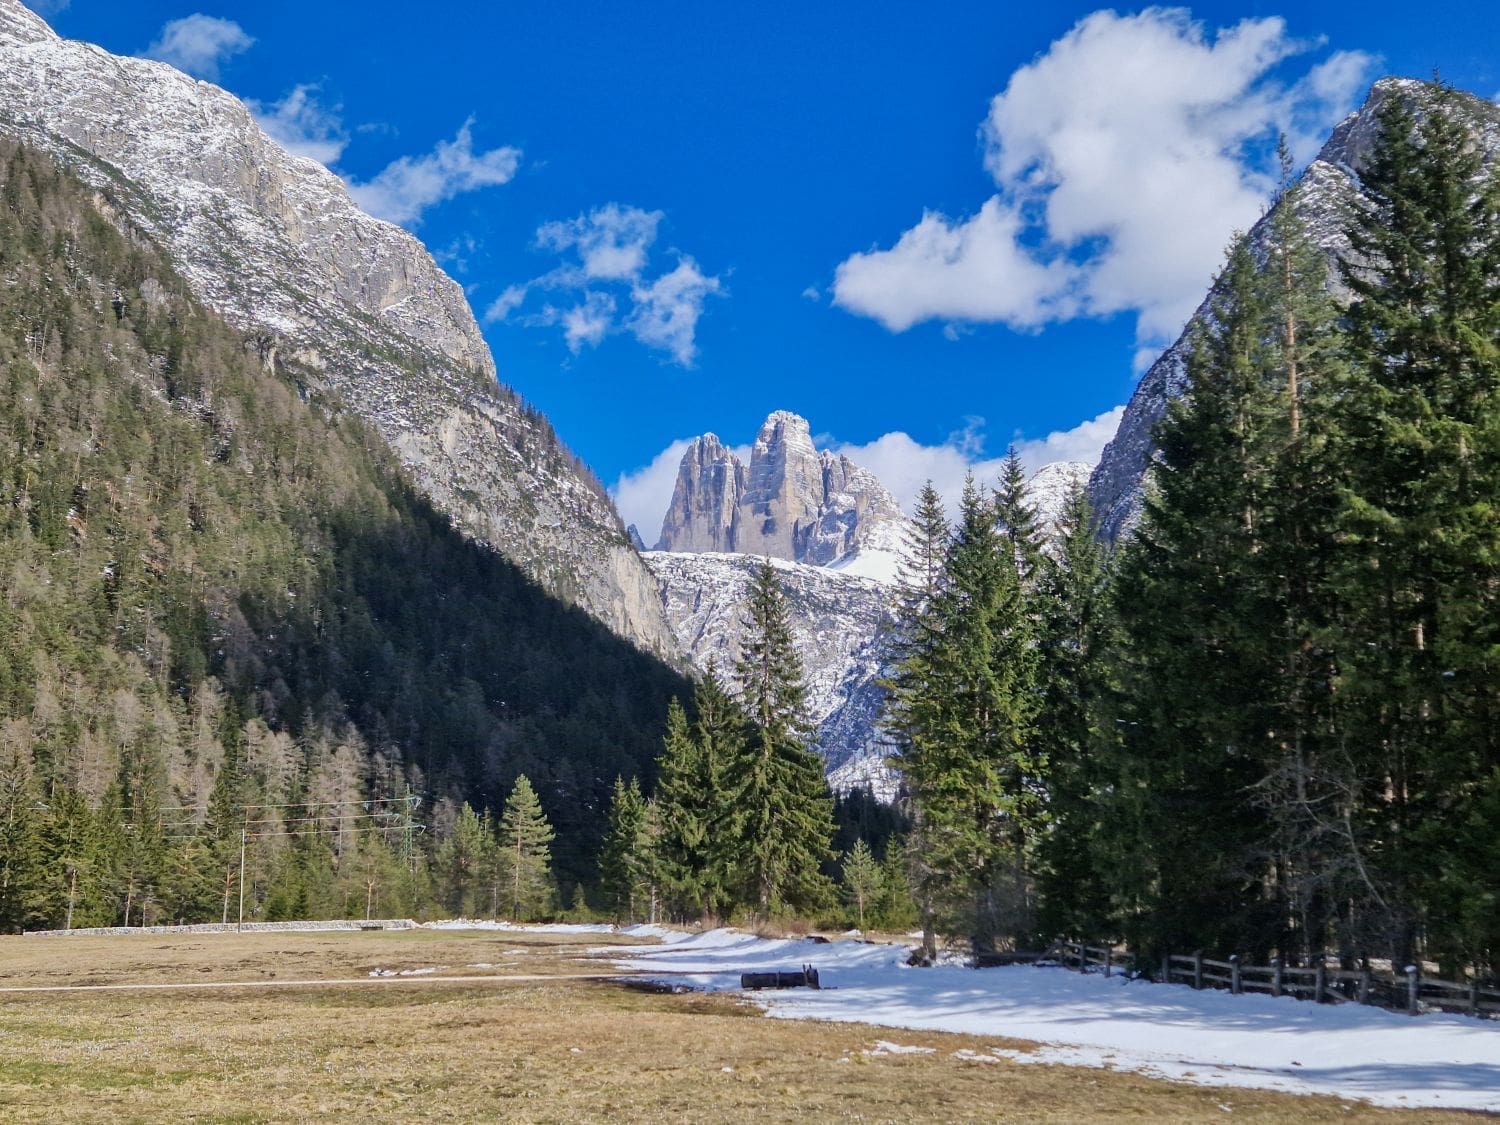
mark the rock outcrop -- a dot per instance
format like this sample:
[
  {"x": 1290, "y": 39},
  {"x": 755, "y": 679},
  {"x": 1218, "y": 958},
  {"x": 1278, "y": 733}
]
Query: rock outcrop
[
  {"x": 791, "y": 502},
  {"x": 1330, "y": 184},
  {"x": 275, "y": 244},
  {"x": 838, "y": 620}
]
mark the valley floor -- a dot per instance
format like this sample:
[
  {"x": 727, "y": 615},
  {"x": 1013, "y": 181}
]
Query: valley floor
[{"x": 492, "y": 1023}]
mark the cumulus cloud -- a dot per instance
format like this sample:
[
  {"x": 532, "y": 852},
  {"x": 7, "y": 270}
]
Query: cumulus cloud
[
  {"x": 302, "y": 125},
  {"x": 607, "y": 255},
  {"x": 898, "y": 460},
  {"x": 406, "y": 187},
  {"x": 1125, "y": 157},
  {"x": 971, "y": 269},
  {"x": 198, "y": 44}
]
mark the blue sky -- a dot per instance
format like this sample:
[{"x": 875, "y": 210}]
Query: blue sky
[{"x": 931, "y": 229}]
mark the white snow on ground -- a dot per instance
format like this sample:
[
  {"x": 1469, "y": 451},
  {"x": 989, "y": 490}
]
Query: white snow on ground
[
  {"x": 1168, "y": 1031},
  {"x": 520, "y": 927}
]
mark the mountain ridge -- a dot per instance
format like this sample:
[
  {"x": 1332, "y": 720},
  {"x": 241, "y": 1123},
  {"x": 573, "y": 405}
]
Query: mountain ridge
[{"x": 276, "y": 245}]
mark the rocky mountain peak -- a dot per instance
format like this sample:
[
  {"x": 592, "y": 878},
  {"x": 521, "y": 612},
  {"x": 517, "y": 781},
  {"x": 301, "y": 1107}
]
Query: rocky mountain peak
[
  {"x": 275, "y": 244},
  {"x": 791, "y": 502},
  {"x": 19, "y": 24}
]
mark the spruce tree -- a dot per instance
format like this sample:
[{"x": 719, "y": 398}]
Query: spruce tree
[
  {"x": 1199, "y": 645},
  {"x": 624, "y": 870},
  {"x": 777, "y": 781},
  {"x": 1417, "y": 573},
  {"x": 862, "y": 879},
  {"x": 907, "y": 715},
  {"x": 699, "y": 849},
  {"x": 1075, "y": 685},
  {"x": 525, "y": 857},
  {"x": 1018, "y": 517}
]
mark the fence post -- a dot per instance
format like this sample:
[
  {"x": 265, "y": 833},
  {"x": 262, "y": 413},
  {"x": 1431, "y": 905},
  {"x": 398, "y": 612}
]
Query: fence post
[
  {"x": 1166, "y": 968},
  {"x": 1473, "y": 998},
  {"x": 1275, "y": 976},
  {"x": 1234, "y": 974},
  {"x": 1109, "y": 956},
  {"x": 1198, "y": 968},
  {"x": 1364, "y": 986},
  {"x": 1413, "y": 988},
  {"x": 1320, "y": 980}
]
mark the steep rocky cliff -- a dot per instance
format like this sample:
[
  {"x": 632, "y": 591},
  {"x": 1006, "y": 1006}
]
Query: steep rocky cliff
[
  {"x": 791, "y": 502},
  {"x": 275, "y": 244},
  {"x": 838, "y": 621},
  {"x": 1330, "y": 184}
]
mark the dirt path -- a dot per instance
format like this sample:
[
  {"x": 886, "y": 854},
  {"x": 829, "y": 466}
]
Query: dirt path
[{"x": 172, "y": 986}]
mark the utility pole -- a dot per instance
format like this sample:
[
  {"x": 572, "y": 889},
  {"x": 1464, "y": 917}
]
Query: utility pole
[{"x": 240, "y": 925}]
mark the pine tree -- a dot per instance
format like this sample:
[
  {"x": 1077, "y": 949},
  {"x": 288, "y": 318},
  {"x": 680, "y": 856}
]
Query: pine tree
[
  {"x": 699, "y": 847},
  {"x": 624, "y": 861},
  {"x": 1417, "y": 574},
  {"x": 525, "y": 858},
  {"x": 1076, "y": 685},
  {"x": 1199, "y": 630},
  {"x": 1017, "y": 517},
  {"x": 907, "y": 715},
  {"x": 778, "y": 782},
  {"x": 863, "y": 878},
  {"x": 467, "y": 867},
  {"x": 964, "y": 704}
]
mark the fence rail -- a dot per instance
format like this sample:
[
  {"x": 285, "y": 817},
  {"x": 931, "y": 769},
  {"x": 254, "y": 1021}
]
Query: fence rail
[{"x": 1408, "y": 991}]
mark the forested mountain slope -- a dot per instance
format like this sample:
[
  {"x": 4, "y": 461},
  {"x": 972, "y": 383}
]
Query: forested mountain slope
[
  {"x": 219, "y": 586},
  {"x": 1329, "y": 187},
  {"x": 275, "y": 245}
]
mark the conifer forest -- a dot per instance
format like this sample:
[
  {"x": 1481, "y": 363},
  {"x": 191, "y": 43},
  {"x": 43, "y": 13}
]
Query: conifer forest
[{"x": 235, "y": 638}]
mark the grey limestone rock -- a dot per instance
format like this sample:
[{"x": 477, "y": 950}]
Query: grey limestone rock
[
  {"x": 791, "y": 502},
  {"x": 277, "y": 246}
]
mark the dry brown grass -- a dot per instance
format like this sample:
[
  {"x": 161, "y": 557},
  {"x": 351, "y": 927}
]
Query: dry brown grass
[{"x": 527, "y": 1051}]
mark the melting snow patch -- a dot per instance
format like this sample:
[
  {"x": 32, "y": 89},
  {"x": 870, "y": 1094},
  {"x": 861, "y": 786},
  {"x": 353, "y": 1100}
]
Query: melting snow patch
[
  {"x": 884, "y": 1047},
  {"x": 1165, "y": 1031}
]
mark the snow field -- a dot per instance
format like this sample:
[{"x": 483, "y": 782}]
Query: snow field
[{"x": 1165, "y": 1031}]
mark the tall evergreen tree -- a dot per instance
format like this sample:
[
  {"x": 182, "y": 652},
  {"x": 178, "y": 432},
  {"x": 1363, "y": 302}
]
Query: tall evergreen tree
[
  {"x": 1198, "y": 631},
  {"x": 1018, "y": 519},
  {"x": 906, "y": 718},
  {"x": 625, "y": 868},
  {"x": 525, "y": 856},
  {"x": 778, "y": 782},
  {"x": 1076, "y": 687},
  {"x": 1418, "y": 475}
]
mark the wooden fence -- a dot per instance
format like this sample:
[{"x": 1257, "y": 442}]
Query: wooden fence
[{"x": 1408, "y": 991}]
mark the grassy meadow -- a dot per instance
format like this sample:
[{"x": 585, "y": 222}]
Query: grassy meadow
[{"x": 502, "y": 1046}]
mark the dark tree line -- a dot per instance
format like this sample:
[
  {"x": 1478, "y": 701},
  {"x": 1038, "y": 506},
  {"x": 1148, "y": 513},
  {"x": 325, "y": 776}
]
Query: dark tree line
[
  {"x": 219, "y": 591},
  {"x": 1268, "y": 723}
]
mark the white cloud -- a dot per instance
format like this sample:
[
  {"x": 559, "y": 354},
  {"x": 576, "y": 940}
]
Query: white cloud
[
  {"x": 505, "y": 304},
  {"x": 302, "y": 125},
  {"x": 642, "y": 497},
  {"x": 611, "y": 241},
  {"x": 197, "y": 44},
  {"x": 812, "y": 293},
  {"x": 667, "y": 310},
  {"x": 1084, "y": 442},
  {"x": 405, "y": 188},
  {"x": 1125, "y": 156},
  {"x": 904, "y": 464},
  {"x": 607, "y": 253},
  {"x": 589, "y": 322},
  {"x": 974, "y": 269}
]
